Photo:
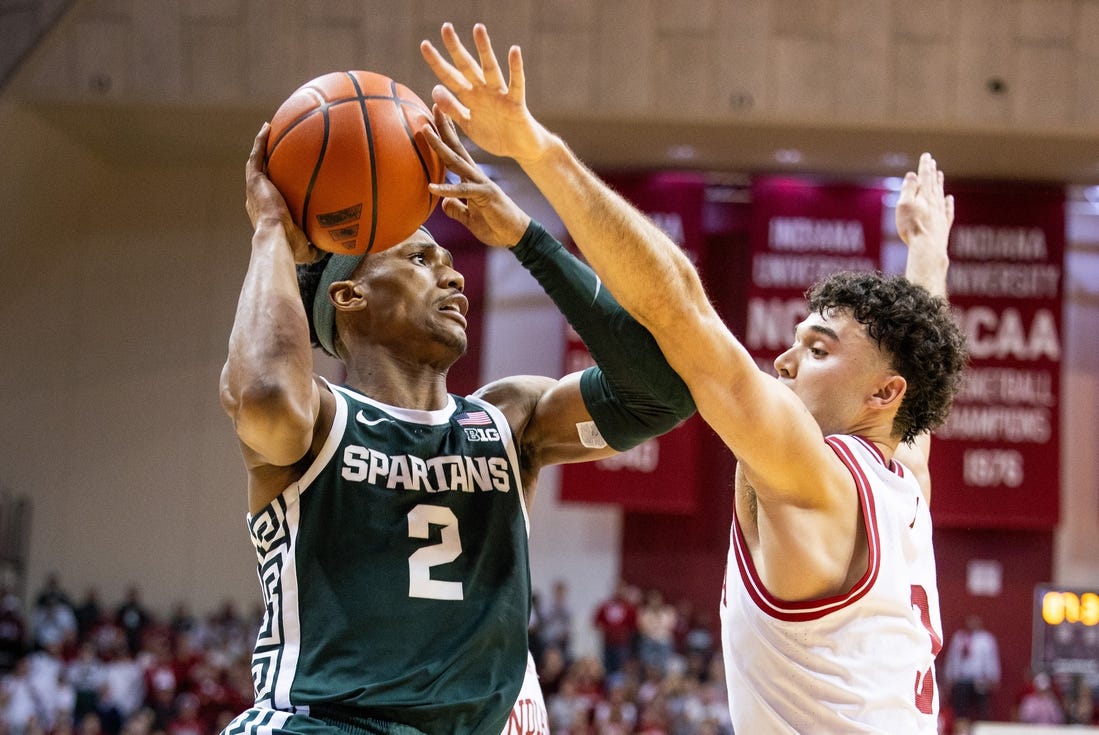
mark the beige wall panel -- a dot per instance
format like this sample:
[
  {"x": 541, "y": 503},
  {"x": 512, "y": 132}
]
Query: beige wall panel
[
  {"x": 214, "y": 65},
  {"x": 686, "y": 16},
  {"x": 158, "y": 49},
  {"x": 805, "y": 18},
  {"x": 625, "y": 50},
  {"x": 985, "y": 51},
  {"x": 927, "y": 20},
  {"x": 104, "y": 9},
  {"x": 864, "y": 83},
  {"x": 1084, "y": 103},
  {"x": 216, "y": 10},
  {"x": 923, "y": 81},
  {"x": 805, "y": 77},
  {"x": 685, "y": 72},
  {"x": 1086, "y": 38},
  {"x": 462, "y": 13},
  {"x": 567, "y": 86},
  {"x": 103, "y": 59},
  {"x": 862, "y": 60},
  {"x": 271, "y": 51},
  {"x": 1042, "y": 95},
  {"x": 348, "y": 11},
  {"x": 559, "y": 15},
  {"x": 742, "y": 49},
  {"x": 389, "y": 45},
  {"x": 50, "y": 70},
  {"x": 1047, "y": 21},
  {"x": 330, "y": 45},
  {"x": 17, "y": 23}
]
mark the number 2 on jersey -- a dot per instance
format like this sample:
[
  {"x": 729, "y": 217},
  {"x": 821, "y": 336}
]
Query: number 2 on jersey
[{"x": 420, "y": 562}]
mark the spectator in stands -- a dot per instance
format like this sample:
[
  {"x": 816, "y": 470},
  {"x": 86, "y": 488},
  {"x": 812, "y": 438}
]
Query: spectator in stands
[
  {"x": 1080, "y": 702},
  {"x": 13, "y": 630},
  {"x": 123, "y": 691},
  {"x": 187, "y": 721},
  {"x": 18, "y": 707},
  {"x": 132, "y": 617},
  {"x": 557, "y": 621},
  {"x": 616, "y": 619},
  {"x": 46, "y": 668},
  {"x": 88, "y": 613},
  {"x": 53, "y": 622},
  {"x": 87, "y": 674},
  {"x": 972, "y": 672},
  {"x": 656, "y": 621},
  {"x": 1040, "y": 706}
]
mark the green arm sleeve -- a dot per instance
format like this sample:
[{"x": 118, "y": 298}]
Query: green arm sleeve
[{"x": 632, "y": 393}]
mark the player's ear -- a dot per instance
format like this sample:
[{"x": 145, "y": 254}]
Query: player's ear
[
  {"x": 890, "y": 392},
  {"x": 347, "y": 295}
]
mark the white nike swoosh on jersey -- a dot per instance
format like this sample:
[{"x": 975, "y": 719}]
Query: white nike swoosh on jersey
[{"x": 362, "y": 419}]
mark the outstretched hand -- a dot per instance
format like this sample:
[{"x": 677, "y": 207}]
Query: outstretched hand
[
  {"x": 491, "y": 111},
  {"x": 264, "y": 202},
  {"x": 923, "y": 209},
  {"x": 476, "y": 201}
]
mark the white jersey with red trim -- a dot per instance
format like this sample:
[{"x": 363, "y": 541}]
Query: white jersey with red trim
[
  {"x": 529, "y": 715},
  {"x": 862, "y": 662}
]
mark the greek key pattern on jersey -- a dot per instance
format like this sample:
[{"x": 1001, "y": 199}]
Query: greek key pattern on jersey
[
  {"x": 272, "y": 541},
  {"x": 256, "y": 721}
]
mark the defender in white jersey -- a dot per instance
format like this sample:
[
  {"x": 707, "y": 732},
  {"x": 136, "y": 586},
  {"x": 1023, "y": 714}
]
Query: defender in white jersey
[
  {"x": 866, "y": 655},
  {"x": 838, "y": 594}
]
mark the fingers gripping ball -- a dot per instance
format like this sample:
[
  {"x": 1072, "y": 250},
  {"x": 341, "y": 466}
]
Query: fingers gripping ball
[{"x": 344, "y": 154}]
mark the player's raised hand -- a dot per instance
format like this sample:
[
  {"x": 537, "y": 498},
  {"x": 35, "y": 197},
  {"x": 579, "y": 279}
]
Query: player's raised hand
[
  {"x": 923, "y": 209},
  {"x": 492, "y": 111},
  {"x": 264, "y": 202},
  {"x": 924, "y": 217},
  {"x": 476, "y": 200}
]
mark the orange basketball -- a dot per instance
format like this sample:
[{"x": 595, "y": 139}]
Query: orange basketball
[{"x": 344, "y": 154}]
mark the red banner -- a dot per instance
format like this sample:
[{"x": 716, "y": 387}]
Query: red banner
[
  {"x": 802, "y": 231},
  {"x": 659, "y": 475},
  {"x": 996, "y": 462}
]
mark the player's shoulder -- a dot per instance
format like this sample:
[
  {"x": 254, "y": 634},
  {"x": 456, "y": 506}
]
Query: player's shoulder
[
  {"x": 515, "y": 389},
  {"x": 517, "y": 397}
]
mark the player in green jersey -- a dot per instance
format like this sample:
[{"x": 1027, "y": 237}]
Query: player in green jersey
[{"x": 389, "y": 516}]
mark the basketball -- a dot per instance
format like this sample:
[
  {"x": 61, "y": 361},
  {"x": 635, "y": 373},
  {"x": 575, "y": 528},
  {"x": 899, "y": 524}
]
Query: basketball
[{"x": 344, "y": 154}]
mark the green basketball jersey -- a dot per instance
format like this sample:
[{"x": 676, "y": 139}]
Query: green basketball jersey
[{"x": 395, "y": 572}]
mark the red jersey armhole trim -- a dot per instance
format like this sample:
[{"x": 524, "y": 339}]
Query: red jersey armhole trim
[{"x": 803, "y": 610}]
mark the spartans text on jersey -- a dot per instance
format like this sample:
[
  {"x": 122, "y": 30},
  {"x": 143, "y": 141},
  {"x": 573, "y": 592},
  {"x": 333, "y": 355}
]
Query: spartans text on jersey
[{"x": 433, "y": 475}]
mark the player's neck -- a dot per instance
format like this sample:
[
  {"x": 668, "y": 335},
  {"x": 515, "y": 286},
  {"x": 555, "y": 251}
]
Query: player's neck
[
  {"x": 399, "y": 383},
  {"x": 878, "y": 433}
]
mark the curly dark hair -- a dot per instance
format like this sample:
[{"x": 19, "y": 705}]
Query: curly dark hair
[
  {"x": 309, "y": 277},
  {"x": 917, "y": 332}
]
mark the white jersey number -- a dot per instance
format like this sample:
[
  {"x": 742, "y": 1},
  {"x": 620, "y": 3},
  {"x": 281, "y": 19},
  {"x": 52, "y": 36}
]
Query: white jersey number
[{"x": 420, "y": 583}]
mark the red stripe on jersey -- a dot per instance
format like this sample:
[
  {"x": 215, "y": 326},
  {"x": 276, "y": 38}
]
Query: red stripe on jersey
[
  {"x": 895, "y": 467},
  {"x": 815, "y": 609}
]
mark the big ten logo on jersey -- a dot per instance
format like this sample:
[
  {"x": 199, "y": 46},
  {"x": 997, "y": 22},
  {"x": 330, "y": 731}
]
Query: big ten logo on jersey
[
  {"x": 477, "y": 426},
  {"x": 475, "y": 434}
]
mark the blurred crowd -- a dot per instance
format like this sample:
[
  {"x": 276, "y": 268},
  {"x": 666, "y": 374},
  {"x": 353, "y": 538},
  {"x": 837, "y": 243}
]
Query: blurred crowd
[
  {"x": 88, "y": 667},
  {"x": 660, "y": 671},
  {"x": 85, "y": 667}
]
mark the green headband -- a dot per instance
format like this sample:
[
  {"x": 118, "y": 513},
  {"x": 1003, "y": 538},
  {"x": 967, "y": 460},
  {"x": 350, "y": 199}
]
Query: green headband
[{"x": 338, "y": 268}]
